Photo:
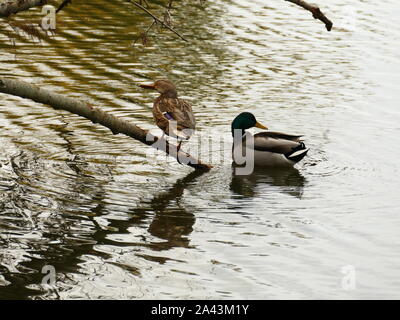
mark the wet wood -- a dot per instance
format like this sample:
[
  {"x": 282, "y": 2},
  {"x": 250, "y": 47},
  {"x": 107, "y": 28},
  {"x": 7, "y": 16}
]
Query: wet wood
[
  {"x": 316, "y": 12},
  {"x": 9, "y": 7}
]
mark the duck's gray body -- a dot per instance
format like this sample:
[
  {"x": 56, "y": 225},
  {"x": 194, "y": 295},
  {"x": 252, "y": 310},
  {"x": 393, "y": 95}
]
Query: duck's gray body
[{"x": 274, "y": 149}]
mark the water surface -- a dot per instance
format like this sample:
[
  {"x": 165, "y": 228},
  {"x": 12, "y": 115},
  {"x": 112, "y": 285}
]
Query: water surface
[{"x": 119, "y": 221}]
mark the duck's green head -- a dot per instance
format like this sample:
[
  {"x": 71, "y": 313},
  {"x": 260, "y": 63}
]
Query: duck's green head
[{"x": 245, "y": 120}]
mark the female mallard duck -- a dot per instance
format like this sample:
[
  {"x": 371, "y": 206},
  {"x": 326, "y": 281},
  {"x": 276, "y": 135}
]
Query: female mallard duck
[
  {"x": 174, "y": 116},
  {"x": 271, "y": 149}
]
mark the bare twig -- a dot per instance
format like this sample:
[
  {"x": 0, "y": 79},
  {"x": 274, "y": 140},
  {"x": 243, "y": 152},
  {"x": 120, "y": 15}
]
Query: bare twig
[
  {"x": 157, "y": 19},
  {"x": 32, "y": 30},
  {"x": 63, "y": 4},
  {"x": 316, "y": 12},
  {"x": 144, "y": 35},
  {"x": 145, "y": 2}
]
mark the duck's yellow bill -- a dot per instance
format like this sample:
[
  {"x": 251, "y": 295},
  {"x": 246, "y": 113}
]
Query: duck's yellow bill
[{"x": 259, "y": 125}]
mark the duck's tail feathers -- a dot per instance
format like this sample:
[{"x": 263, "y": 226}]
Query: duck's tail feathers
[
  {"x": 297, "y": 153},
  {"x": 181, "y": 135}
]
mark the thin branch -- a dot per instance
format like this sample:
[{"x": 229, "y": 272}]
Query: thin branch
[
  {"x": 10, "y": 7},
  {"x": 316, "y": 12},
  {"x": 157, "y": 19},
  {"x": 144, "y": 35},
  {"x": 29, "y": 91},
  {"x": 63, "y": 4},
  {"x": 32, "y": 30}
]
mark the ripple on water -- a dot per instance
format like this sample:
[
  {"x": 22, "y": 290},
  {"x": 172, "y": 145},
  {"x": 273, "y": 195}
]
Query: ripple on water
[{"x": 117, "y": 221}]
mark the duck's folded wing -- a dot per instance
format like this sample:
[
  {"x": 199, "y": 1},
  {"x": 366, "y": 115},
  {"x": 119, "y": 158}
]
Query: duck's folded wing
[
  {"x": 180, "y": 111},
  {"x": 280, "y": 135},
  {"x": 276, "y": 142}
]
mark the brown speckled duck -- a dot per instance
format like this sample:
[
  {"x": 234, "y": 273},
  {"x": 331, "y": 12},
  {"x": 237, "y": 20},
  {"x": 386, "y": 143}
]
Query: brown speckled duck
[{"x": 174, "y": 116}]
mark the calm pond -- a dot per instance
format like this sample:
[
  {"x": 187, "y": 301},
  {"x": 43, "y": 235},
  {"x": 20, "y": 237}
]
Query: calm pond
[{"x": 117, "y": 220}]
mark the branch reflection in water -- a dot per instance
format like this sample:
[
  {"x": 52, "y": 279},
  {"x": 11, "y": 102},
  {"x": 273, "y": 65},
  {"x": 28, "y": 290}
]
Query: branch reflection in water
[{"x": 74, "y": 223}]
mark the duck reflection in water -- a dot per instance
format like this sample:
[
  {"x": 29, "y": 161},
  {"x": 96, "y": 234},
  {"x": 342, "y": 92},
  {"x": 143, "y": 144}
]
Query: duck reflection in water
[
  {"x": 172, "y": 222},
  {"x": 289, "y": 180}
]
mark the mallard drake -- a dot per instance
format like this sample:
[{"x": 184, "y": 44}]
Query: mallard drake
[
  {"x": 271, "y": 149},
  {"x": 174, "y": 116}
]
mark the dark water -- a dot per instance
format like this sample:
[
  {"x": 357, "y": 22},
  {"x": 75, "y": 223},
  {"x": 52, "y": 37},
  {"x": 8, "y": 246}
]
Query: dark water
[{"x": 117, "y": 220}]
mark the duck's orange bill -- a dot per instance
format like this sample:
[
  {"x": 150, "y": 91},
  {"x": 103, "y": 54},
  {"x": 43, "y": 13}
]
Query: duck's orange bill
[
  {"x": 147, "y": 86},
  {"x": 259, "y": 125}
]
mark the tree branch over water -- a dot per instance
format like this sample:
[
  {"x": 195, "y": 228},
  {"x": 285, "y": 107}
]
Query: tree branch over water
[
  {"x": 316, "y": 12},
  {"x": 9, "y": 7},
  {"x": 29, "y": 91},
  {"x": 63, "y": 4}
]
